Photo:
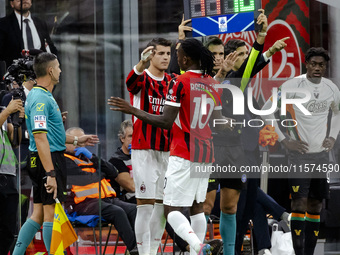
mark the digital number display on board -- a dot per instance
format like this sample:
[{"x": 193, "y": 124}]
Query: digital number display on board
[
  {"x": 204, "y": 8},
  {"x": 211, "y": 17}
]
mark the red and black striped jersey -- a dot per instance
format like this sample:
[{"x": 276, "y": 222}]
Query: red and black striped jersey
[
  {"x": 148, "y": 93},
  {"x": 197, "y": 98}
]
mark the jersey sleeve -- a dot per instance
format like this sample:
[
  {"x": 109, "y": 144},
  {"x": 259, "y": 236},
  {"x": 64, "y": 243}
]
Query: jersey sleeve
[
  {"x": 175, "y": 93},
  {"x": 39, "y": 115},
  {"x": 335, "y": 122},
  {"x": 336, "y": 103},
  {"x": 134, "y": 81}
]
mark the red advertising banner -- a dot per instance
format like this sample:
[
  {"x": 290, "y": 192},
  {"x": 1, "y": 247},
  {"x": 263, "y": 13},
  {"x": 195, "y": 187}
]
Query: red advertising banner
[{"x": 286, "y": 18}]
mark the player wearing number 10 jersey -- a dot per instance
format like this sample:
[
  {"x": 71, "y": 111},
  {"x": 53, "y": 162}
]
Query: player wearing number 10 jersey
[
  {"x": 192, "y": 138},
  {"x": 191, "y": 143}
]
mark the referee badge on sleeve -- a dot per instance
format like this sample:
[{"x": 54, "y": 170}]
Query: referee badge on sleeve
[{"x": 40, "y": 121}]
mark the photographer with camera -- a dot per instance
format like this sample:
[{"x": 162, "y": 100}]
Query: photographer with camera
[
  {"x": 19, "y": 92},
  {"x": 8, "y": 187},
  {"x": 19, "y": 78},
  {"x": 17, "y": 83}
]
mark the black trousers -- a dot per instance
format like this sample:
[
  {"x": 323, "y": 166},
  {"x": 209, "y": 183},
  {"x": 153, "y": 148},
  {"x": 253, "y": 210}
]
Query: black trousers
[
  {"x": 9, "y": 200},
  {"x": 121, "y": 214}
]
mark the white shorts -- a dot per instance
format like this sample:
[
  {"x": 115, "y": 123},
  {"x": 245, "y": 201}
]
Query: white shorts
[
  {"x": 181, "y": 190},
  {"x": 149, "y": 167}
]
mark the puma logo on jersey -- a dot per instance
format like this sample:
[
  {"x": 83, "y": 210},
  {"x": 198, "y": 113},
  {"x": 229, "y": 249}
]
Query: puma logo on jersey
[
  {"x": 295, "y": 188},
  {"x": 297, "y": 232},
  {"x": 316, "y": 233}
]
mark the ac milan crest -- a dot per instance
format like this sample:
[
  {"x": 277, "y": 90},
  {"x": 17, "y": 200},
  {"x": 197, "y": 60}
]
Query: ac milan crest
[{"x": 142, "y": 188}]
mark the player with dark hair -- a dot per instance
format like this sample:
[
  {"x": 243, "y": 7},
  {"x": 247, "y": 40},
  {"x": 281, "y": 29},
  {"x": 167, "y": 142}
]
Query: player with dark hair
[
  {"x": 159, "y": 41},
  {"x": 308, "y": 144},
  {"x": 193, "y": 49},
  {"x": 191, "y": 145},
  {"x": 316, "y": 52},
  {"x": 150, "y": 144}
]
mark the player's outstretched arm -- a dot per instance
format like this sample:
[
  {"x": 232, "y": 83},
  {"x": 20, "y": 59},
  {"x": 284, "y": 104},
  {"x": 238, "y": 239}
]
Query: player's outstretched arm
[{"x": 163, "y": 121}]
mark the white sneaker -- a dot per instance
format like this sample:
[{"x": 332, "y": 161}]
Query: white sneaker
[
  {"x": 265, "y": 252},
  {"x": 286, "y": 218}
]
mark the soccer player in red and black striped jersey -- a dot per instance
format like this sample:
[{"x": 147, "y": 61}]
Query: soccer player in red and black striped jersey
[
  {"x": 150, "y": 144},
  {"x": 191, "y": 146}
]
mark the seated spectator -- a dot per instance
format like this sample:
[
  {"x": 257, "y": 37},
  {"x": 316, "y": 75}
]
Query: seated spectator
[
  {"x": 121, "y": 159},
  {"x": 82, "y": 172}
]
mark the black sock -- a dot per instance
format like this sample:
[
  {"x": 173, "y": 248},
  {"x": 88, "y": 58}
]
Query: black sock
[
  {"x": 297, "y": 225},
  {"x": 312, "y": 231}
]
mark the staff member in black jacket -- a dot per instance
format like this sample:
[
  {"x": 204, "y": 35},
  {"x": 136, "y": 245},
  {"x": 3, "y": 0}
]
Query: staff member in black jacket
[{"x": 35, "y": 34}]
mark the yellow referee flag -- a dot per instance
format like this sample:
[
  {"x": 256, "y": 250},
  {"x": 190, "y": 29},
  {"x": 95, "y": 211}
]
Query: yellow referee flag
[{"x": 63, "y": 234}]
